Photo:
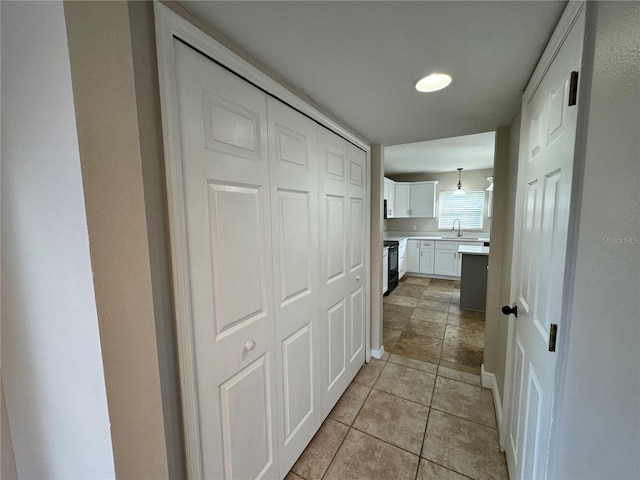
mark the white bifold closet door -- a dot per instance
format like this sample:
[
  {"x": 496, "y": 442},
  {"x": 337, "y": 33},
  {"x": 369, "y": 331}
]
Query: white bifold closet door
[
  {"x": 275, "y": 233},
  {"x": 294, "y": 220},
  {"x": 342, "y": 263},
  {"x": 224, "y": 147}
]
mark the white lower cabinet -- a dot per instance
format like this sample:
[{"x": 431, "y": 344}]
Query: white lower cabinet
[
  {"x": 413, "y": 256},
  {"x": 432, "y": 257},
  {"x": 426, "y": 256},
  {"x": 402, "y": 258},
  {"x": 447, "y": 260},
  {"x": 445, "y": 263}
]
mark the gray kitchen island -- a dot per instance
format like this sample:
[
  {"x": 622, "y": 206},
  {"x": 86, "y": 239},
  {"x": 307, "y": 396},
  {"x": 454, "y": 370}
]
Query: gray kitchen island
[{"x": 473, "y": 279}]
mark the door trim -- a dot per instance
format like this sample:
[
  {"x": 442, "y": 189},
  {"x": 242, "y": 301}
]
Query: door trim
[
  {"x": 566, "y": 23},
  {"x": 170, "y": 25}
]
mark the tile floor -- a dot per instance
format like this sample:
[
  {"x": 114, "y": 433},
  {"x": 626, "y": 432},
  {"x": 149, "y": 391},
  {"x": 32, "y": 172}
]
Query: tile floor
[
  {"x": 419, "y": 413},
  {"x": 422, "y": 320}
]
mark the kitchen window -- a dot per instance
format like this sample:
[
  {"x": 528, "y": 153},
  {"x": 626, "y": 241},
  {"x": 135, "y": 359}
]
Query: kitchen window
[{"x": 468, "y": 208}]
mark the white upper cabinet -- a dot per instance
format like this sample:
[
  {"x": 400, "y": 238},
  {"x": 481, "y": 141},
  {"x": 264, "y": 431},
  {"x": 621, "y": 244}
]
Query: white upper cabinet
[
  {"x": 422, "y": 200},
  {"x": 390, "y": 196},
  {"x": 402, "y": 200},
  {"x": 417, "y": 199}
]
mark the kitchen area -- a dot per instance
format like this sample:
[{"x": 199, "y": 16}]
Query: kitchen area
[
  {"x": 436, "y": 212},
  {"x": 437, "y": 224},
  {"x": 456, "y": 258}
]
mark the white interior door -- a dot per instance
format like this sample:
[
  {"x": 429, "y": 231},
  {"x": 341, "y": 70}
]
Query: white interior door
[
  {"x": 223, "y": 139},
  {"x": 547, "y": 146},
  {"x": 294, "y": 214},
  {"x": 342, "y": 246}
]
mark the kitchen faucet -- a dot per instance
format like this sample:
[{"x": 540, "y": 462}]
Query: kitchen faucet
[{"x": 454, "y": 227}]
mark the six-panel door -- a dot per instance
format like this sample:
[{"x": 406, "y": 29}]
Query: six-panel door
[
  {"x": 294, "y": 221},
  {"x": 271, "y": 358},
  {"x": 343, "y": 215},
  {"x": 224, "y": 146},
  {"x": 549, "y": 126}
]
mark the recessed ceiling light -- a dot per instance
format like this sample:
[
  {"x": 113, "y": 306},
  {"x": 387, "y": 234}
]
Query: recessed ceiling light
[{"x": 433, "y": 82}]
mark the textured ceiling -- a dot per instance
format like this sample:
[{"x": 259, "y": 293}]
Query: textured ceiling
[
  {"x": 360, "y": 60},
  {"x": 471, "y": 152}
]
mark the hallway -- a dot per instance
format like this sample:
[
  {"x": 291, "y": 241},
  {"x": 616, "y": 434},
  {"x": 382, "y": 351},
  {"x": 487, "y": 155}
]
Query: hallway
[{"x": 419, "y": 413}]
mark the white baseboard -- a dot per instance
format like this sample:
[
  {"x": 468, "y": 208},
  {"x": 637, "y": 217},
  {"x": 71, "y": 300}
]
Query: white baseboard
[
  {"x": 378, "y": 353},
  {"x": 488, "y": 380}
]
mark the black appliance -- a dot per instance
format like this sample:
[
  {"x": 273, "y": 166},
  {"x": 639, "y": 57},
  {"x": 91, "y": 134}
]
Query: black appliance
[
  {"x": 393, "y": 264},
  {"x": 385, "y": 209}
]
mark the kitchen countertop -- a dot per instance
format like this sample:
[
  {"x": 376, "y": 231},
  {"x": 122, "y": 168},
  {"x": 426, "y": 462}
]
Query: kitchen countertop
[
  {"x": 473, "y": 250},
  {"x": 425, "y": 236}
]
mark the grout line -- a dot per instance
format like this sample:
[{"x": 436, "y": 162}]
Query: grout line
[
  {"x": 352, "y": 422},
  {"x": 386, "y": 441},
  {"x": 335, "y": 454},
  {"x": 448, "y": 468},
  {"x": 463, "y": 418},
  {"x": 433, "y": 389},
  {"x": 401, "y": 398}
]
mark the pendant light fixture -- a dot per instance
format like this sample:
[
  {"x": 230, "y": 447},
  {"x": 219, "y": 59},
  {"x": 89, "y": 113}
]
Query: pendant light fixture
[{"x": 459, "y": 191}]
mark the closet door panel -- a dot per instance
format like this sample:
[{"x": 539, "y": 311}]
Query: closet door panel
[
  {"x": 225, "y": 167},
  {"x": 336, "y": 323},
  {"x": 342, "y": 247},
  {"x": 358, "y": 240},
  {"x": 294, "y": 219},
  {"x": 246, "y": 421}
]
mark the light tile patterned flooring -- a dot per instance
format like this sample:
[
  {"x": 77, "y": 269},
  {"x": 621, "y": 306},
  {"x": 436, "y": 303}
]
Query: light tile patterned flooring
[
  {"x": 419, "y": 413},
  {"x": 422, "y": 320}
]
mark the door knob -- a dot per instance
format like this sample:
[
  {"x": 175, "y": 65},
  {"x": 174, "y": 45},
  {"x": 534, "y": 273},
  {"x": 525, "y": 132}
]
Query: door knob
[
  {"x": 358, "y": 277},
  {"x": 250, "y": 345},
  {"x": 507, "y": 310}
]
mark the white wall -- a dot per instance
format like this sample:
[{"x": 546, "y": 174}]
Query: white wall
[
  {"x": 501, "y": 241},
  {"x": 377, "y": 210},
  {"x": 501, "y": 335},
  {"x": 51, "y": 356},
  {"x": 597, "y": 432},
  {"x": 471, "y": 180}
]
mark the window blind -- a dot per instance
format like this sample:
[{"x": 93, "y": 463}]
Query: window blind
[{"x": 468, "y": 208}]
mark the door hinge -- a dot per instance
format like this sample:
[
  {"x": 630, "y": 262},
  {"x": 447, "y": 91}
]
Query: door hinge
[
  {"x": 573, "y": 89},
  {"x": 553, "y": 331}
]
